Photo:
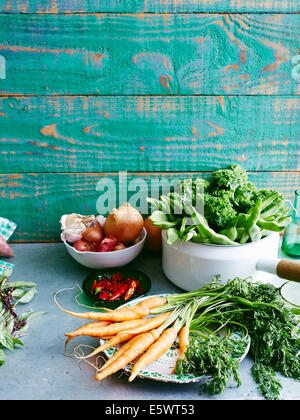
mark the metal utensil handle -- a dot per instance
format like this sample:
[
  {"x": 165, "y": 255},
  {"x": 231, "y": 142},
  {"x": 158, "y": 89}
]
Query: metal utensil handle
[{"x": 285, "y": 269}]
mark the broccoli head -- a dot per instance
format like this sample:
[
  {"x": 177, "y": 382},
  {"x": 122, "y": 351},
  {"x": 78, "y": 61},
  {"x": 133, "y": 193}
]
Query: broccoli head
[
  {"x": 218, "y": 209},
  {"x": 229, "y": 179},
  {"x": 245, "y": 197}
]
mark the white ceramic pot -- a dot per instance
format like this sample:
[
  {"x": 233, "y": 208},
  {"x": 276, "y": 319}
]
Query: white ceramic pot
[
  {"x": 96, "y": 260},
  {"x": 189, "y": 265}
]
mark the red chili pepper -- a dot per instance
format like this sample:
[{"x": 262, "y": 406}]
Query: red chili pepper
[
  {"x": 104, "y": 295},
  {"x": 117, "y": 277},
  {"x": 100, "y": 285},
  {"x": 131, "y": 289},
  {"x": 94, "y": 285},
  {"x": 119, "y": 292}
]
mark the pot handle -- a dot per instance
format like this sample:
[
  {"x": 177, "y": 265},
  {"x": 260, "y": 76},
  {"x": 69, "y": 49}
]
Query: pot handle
[{"x": 285, "y": 269}]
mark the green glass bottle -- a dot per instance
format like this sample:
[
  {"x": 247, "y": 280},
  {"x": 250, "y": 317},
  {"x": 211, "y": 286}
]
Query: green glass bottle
[{"x": 291, "y": 238}]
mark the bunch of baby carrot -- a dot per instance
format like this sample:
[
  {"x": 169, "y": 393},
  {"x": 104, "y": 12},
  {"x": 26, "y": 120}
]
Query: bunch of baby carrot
[{"x": 141, "y": 335}]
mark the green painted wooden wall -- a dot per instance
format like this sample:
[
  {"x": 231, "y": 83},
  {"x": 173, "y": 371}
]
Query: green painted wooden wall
[{"x": 161, "y": 89}]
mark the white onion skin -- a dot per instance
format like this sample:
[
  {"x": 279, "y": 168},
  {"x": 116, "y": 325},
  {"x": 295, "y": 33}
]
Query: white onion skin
[{"x": 124, "y": 223}]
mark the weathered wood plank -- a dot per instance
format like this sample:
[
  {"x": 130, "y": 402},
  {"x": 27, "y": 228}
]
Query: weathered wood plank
[
  {"x": 92, "y": 134},
  {"x": 164, "y": 54},
  {"x": 154, "y": 6},
  {"x": 36, "y": 201}
]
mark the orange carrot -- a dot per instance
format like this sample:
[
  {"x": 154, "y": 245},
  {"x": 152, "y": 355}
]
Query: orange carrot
[
  {"x": 139, "y": 345},
  {"x": 122, "y": 336},
  {"x": 183, "y": 340},
  {"x": 121, "y": 350},
  {"x": 155, "y": 351},
  {"x": 150, "y": 324},
  {"x": 108, "y": 330},
  {"x": 114, "y": 341},
  {"x": 127, "y": 313},
  {"x": 84, "y": 328}
]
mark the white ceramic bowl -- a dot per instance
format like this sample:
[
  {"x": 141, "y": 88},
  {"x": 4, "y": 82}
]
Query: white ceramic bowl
[
  {"x": 96, "y": 260},
  {"x": 190, "y": 265}
]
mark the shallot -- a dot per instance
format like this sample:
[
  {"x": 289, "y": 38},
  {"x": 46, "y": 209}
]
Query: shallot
[
  {"x": 93, "y": 234},
  {"x": 82, "y": 246},
  {"x": 108, "y": 244}
]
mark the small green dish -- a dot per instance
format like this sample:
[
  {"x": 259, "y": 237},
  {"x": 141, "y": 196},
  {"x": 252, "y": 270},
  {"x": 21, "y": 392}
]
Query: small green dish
[{"x": 144, "y": 280}]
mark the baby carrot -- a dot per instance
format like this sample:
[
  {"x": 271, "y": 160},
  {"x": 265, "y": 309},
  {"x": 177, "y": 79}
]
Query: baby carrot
[
  {"x": 183, "y": 340},
  {"x": 77, "y": 332},
  {"x": 114, "y": 341},
  {"x": 127, "y": 313},
  {"x": 108, "y": 330},
  {"x": 150, "y": 324},
  {"x": 154, "y": 352},
  {"x": 122, "y": 336},
  {"x": 139, "y": 345},
  {"x": 118, "y": 353}
]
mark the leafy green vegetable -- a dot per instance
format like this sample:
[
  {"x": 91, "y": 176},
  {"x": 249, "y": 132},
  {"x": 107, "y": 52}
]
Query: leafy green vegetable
[
  {"x": 259, "y": 310},
  {"x": 13, "y": 326},
  {"x": 229, "y": 205},
  {"x": 230, "y": 178},
  {"x": 219, "y": 209},
  {"x": 264, "y": 376},
  {"x": 215, "y": 357}
]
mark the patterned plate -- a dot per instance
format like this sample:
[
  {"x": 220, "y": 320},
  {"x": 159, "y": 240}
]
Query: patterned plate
[{"x": 161, "y": 369}]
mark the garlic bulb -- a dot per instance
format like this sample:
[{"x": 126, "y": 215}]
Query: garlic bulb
[
  {"x": 73, "y": 225},
  {"x": 72, "y": 235},
  {"x": 76, "y": 221}
]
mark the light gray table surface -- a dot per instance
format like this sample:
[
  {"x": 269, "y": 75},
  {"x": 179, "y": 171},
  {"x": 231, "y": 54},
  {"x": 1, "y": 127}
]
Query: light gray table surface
[{"x": 41, "y": 371}]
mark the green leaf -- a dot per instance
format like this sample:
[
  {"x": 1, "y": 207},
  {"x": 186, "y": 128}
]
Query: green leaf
[
  {"x": 2, "y": 357},
  {"x": 28, "y": 296},
  {"x": 6, "y": 340},
  {"x": 18, "y": 284},
  {"x": 16, "y": 341},
  {"x": 29, "y": 315},
  {"x": 18, "y": 293}
]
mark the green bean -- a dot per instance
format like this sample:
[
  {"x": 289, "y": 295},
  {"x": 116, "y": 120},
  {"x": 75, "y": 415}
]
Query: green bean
[
  {"x": 268, "y": 201},
  {"x": 189, "y": 235},
  {"x": 203, "y": 228},
  {"x": 250, "y": 229},
  {"x": 272, "y": 226},
  {"x": 273, "y": 210},
  {"x": 165, "y": 225},
  {"x": 201, "y": 240},
  {"x": 172, "y": 235},
  {"x": 182, "y": 227},
  {"x": 254, "y": 233},
  {"x": 231, "y": 233},
  {"x": 240, "y": 232}
]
